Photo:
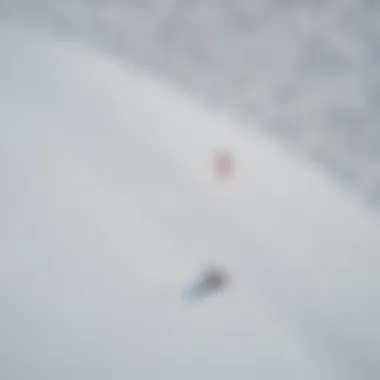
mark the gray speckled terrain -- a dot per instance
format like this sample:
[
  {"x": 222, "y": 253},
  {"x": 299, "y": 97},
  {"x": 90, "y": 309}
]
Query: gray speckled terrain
[{"x": 307, "y": 71}]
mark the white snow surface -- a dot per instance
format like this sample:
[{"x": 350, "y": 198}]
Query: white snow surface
[
  {"x": 306, "y": 72},
  {"x": 109, "y": 209}
]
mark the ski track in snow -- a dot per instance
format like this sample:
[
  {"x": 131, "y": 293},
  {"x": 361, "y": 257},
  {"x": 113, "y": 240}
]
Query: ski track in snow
[{"x": 110, "y": 209}]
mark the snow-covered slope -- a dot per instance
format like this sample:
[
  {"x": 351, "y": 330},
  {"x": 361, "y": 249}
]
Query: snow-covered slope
[
  {"x": 109, "y": 209},
  {"x": 306, "y": 70}
]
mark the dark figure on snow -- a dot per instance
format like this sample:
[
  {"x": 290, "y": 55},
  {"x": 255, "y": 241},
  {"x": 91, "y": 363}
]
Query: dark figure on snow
[{"x": 213, "y": 280}]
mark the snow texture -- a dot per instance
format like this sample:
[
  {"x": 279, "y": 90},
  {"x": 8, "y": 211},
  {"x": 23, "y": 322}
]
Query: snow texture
[
  {"x": 305, "y": 71},
  {"x": 109, "y": 209}
]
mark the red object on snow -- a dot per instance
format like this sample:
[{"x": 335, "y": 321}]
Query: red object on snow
[{"x": 223, "y": 165}]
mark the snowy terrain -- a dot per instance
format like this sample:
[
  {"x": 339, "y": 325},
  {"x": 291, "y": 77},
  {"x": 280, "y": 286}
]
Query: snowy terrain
[
  {"x": 308, "y": 71},
  {"x": 109, "y": 209}
]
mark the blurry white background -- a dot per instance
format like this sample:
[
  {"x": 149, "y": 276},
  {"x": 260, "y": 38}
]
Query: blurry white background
[
  {"x": 306, "y": 71},
  {"x": 109, "y": 207}
]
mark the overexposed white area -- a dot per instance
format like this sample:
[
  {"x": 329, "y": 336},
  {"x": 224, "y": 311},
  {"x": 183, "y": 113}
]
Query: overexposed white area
[{"x": 109, "y": 209}]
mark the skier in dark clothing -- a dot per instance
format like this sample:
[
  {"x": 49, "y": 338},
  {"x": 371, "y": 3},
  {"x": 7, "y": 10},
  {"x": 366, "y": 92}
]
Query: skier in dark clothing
[{"x": 211, "y": 281}]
